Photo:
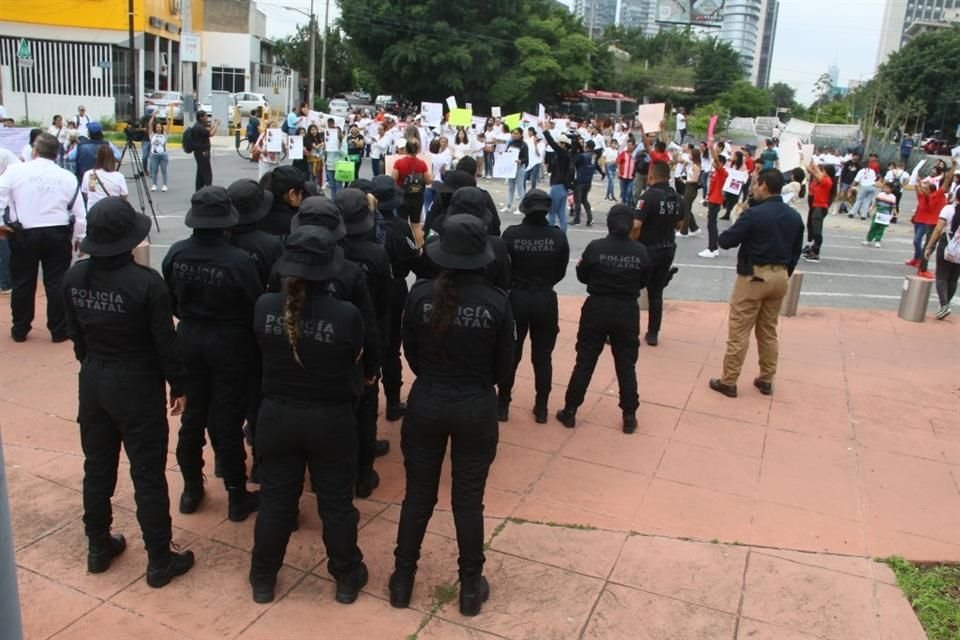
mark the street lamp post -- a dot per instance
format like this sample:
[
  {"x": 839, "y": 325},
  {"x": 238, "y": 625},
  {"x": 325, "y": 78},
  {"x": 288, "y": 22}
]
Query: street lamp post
[
  {"x": 313, "y": 56},
  {"x": 323, "y": 55}
]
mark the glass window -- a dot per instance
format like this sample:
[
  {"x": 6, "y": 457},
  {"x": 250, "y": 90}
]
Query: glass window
[{"x": 229, "y": 79}]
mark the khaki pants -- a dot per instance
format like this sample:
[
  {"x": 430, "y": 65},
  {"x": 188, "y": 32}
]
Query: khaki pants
[{"x": 755, "y": 303}]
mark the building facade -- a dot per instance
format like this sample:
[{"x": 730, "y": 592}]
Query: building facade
[
  {"x": 768, "y": 36},
  {"x": 742, "y": 26},
  {"x": 597, "y": 15},
  {"x": 905, "y": 19}
]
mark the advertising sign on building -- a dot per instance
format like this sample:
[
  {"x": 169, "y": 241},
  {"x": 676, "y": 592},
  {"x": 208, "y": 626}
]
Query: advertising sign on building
[{"x": 697, "y": 12}]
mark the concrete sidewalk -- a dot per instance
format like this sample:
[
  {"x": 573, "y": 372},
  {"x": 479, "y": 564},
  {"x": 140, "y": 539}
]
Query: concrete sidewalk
[{"x": 749, "y": 518}]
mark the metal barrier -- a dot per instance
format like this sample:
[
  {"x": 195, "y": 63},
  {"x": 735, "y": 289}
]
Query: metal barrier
[
  {"x": 914, "y": 298},
  {"x": 788, "y": 308}
]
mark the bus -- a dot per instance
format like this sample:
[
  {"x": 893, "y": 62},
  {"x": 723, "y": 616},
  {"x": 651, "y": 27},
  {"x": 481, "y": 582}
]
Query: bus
[{"x": 594, "y": 103}]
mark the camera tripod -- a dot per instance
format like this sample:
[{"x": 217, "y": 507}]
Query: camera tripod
[{"x": 139, "y": 179}]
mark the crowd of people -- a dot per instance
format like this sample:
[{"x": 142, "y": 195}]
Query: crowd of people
[{"x": 293, "y": 310}]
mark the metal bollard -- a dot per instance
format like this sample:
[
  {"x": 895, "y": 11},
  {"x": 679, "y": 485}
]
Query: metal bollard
[
  {"x": 788, "y": 308},
  {"x": 914, "y": 298}
]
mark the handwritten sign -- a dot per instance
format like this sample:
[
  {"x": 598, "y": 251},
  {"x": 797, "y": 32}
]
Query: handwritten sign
[
  {"x": 296, "y": 147},
  {"x": 506, "y": 164},
  {"x": 432, "y": 113}
]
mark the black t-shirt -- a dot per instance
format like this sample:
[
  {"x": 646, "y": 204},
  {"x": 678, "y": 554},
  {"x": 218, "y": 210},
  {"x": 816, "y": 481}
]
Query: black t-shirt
[
  {"x": 330, "y": 341},
  {"x": 201, "y": 137},
  {"x": 478, "y": 348},
  {"x": 660, "y": 208},
  {"x": 614, "y": 266},
  {"x": 120, "y": 311}
]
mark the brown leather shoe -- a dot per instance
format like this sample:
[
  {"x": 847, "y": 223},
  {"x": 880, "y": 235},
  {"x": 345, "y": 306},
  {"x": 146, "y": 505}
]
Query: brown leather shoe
[
  {"x": 729, "y": 390},
  {"x": 766, "y": 388}
]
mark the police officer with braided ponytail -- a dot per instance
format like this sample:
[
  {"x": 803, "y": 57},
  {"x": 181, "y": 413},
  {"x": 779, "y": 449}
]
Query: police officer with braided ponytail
[{"x": 312, "y": 378}]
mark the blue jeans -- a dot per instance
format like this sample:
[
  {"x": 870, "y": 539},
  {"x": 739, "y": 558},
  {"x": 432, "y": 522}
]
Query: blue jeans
[
  {"x": 375, "y": 166},
  {"x": 558, "y": 206},
  {"x": 515, "y": 185},
  {"x": 488, "y": 160},
  {"x": 159, "y": 161},
  {"x": 428, "y": 197},
  {"x": 920, "y": 232},
  {"x": 704, "y": 183},
  {"x": 334, "y": 187},
  {"x": 5, "y": 264},
  {"x": 865, "y": 196},
  {"x": 626, "y": 190},
  {"x": 532, "y": 176},
  {"x": 611, "y": 178}
]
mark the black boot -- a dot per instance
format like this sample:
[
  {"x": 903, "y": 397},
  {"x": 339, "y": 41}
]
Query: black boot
[
  {"x": 242, "y": 503},
  {"x": 567, "y": 417},
  {"x": 395, "y": 410},
  {"x": 348, "y": 587},
  {"x": 629, "y": 421},
  {"x": 367, "y": 482},
  {"x": 164, "y": 565},
  {"x": 102, "y": 550},
  {"x": 540, "y": 410},
  {"x": 401, "y": 588},
  {"x": 263, "y": 588},
  {"x": 503, "y": 409},
  {"x": 192, "y": 494},
  {"x": 473, "y": 593}
]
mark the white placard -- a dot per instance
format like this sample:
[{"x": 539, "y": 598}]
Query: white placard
[
  {"x": 452, "y": 103},
  {"x": 296, "y": 147},
  {"x": 914, "y": 175},
  {"x": 189, "y": 47},
  {"x": 541, "y": 112},
  {"x": 807, "y": 152},
  {"x": 789, "y": 152},
  {"x": 495, "y": 112},
  {"x": 735, "y": 181},
  {"x": 274, "y": 141},
  {"x": 506, "y": 164},
  {"x": 650, "y": 116},
  {"x": 955, "y": 152},
  {"x": 469, "y": 105},
  {"x": 432, "y": 113},
  {"x": 331, "y": 139},
  {"x": 14, "y": 139},
  {"x": 479, "y": 123},
  {"x": 560, "y": 125}
]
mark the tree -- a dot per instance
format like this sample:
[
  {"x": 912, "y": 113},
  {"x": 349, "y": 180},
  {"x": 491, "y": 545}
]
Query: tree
[
  {"x": 514, "y": 53},
  {"x": 294, "y": 52},
  {"x": 718, "y": 67},
  {"x": 784, "y": 96},
  {"x": 744, "y": 99}
]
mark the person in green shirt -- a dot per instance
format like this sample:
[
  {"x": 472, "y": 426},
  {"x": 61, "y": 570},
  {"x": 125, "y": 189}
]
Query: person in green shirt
[{"x": 770, "y": 157}]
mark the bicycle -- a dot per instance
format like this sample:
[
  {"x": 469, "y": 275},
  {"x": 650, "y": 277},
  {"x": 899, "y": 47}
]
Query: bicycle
[{"x": 244, "y": 147}]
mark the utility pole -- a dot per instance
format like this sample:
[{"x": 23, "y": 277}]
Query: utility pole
[
  {"x": 313, "y": 56},
  {"x": 132, "y": 67},
  {"x": 323, "y": 54}
]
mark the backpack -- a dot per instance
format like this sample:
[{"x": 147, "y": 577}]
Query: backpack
[
  {"x": 951, "y": 253},
  {"x": 187, "y": 140},
  {"x": 285, "y": 127},
  {"x": 414, "y": 184}
]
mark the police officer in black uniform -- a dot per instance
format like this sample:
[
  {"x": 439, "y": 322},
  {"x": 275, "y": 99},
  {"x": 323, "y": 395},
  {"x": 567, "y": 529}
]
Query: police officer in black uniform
[
  {"x": 286, "y": 184},
  {"x": 458, "y": 337},
  {"x": 214, "y": 287},
  {"x": 404, "y": 257},
  {"x": 362, "y": 249},
  {"x": 119, "y": 318},
  {"x": 614, "y": 269},
  {"x": 539, "y": 254},
  {"x": 311, "y": 344},
  {"x": 659, "y": 214},
  {"x": 253, "y": 204}
]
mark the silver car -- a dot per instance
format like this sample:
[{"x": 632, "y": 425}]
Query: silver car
[
  {"x": 164, "y": 104},
  {"x": 251, "y": 104}
]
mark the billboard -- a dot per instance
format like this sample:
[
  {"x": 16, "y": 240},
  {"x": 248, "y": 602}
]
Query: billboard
[{"x": 708, "y": 13}]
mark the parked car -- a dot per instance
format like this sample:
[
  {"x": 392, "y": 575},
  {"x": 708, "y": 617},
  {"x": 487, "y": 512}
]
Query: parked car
[
  {"x": 936, "y": 146},
  {"x": 251, "y": 104},
  {"x": 385, "y": 102},
  {"x": 339, "y": 107},
  {"x": 163, "y": 104}
]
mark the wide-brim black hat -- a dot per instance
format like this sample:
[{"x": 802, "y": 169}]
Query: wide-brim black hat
[
  {"x": 311, "y": 253},
  {"x": 385, "y": 190},
  {"x": 320, "y": 211},
  {"x": 463, "y": 245},
  {"x": 355, "y": 209},
  {"x": 210, "y": 208},
  {"x": 472, "y": 201},
  {"x": 536, "y": 201},
  {"x": 250, "y": 200},
  {"x": 114, "y": 227}
]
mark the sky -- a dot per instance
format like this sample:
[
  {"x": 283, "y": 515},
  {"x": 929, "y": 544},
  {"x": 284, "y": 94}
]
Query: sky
[{"x": 811, "y": 36}]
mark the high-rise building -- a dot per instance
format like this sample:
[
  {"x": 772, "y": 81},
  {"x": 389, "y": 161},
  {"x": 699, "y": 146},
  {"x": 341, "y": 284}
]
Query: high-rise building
[
  {"x": 742, "y": 29},
  {"x": 597, "y": 15},
  {"x": 639, "y": 14},
  {"x": 761, "y": 73},
  {"x": 903, "y": 19}
]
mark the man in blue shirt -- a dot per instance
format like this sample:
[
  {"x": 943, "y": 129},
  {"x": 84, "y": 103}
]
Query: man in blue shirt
[{"x": 906, "y": 150}]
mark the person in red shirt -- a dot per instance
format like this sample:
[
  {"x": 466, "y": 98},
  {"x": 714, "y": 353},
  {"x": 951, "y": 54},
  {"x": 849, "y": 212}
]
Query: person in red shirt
[
  {"x": 821, "y": 189},
  {"x": 659, "y": 154},
  {"x": 931, "y": 199},
  {"x": 714, "y": 200},
  {"x": 626, "y": 169},
  {"x": 412, "y": 175},
  {"x": 750, "y": 164}
]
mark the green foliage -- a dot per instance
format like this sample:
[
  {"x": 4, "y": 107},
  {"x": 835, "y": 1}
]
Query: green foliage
[
  {"x": 718, "y": 66},
  {"x": 743, "y": 99},
  {"x": 934, "y": 593},
  {"x": 294, "y": 51},
  {"x": 699, "y": 120}
]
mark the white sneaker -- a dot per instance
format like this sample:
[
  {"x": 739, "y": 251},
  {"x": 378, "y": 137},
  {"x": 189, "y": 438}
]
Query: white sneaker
[
  {"x": 518, "y": 212},
  {"x": 682, "y": 235},
  {"x": 865, "y": 243},
  {"x": 876, "y": 245},
  {"x": 706, "y": 253},
  {"x": 697, "y": 233},
  {"x": 153, "y": 187},
  {"x": 163, "y": 188},
  {"x": 943, "y": 312}
]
